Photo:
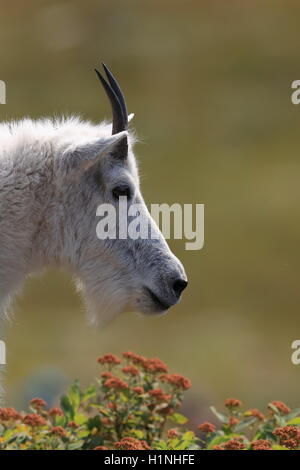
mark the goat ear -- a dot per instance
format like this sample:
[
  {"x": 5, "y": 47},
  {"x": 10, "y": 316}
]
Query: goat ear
[{"x": 82, "y": 156}]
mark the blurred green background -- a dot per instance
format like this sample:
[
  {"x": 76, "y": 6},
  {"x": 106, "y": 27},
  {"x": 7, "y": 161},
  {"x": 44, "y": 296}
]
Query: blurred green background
[{"x": 210, "y": 85}]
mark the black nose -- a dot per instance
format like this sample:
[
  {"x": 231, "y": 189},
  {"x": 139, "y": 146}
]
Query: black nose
[{"x": 179, "y": 285}]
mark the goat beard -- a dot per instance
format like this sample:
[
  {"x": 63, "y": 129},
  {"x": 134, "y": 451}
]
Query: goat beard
[{"x": 104, "y": 304}]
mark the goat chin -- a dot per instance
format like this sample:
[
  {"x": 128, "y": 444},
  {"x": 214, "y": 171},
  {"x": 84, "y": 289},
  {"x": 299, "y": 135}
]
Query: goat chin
[{"x": 101, "y": 308}]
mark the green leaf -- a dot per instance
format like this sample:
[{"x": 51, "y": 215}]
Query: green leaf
[
  {"x": 138, "y": 433},
  {"x": 221, "y": 416},
  {"x": 67, "y": 407},
  {"x": 74, "y": 395},
  {"x": 60, "y": 421},
  {"x": 265, "y": 433},
  {"x": 244, "y": 424},
  {"x": 274, "y": 408},
  {"x": 173, "y": 443},
  {"x": 293, "y": 414},
  {"x": 80, "y": 418},
  {"x": 161, "y": 445},
  {"x": 294, "y": 421},
  {"x": 82, "y": 434},
  {"x": 89, "y": 393},
  {"x": 183, "y": 445},
  {"x": 187, "y": 440},
  {"x": 188, "y": 436},
  {"x": 193, "y": 446},
  {"x": 23, "y": 437},
  {"x": 101, "y": 410},
  {"x": 178, "y": 418},
  {"x": 220, "y": 440},
  {"x": 75, "y": 445},
  {"x": 94, "y": 422}
]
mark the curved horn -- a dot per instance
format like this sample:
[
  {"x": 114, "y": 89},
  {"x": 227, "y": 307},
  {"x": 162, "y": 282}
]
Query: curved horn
[
  {"x": 119, "y": 122},
  {"x": 116, "y": 87}
]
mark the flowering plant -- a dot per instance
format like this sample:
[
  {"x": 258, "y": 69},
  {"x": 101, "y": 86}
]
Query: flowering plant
[{"x": 134, "y": 406}]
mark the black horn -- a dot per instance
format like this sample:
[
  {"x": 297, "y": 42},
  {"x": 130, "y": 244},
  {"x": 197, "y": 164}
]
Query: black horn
[
  {"x": 116, "y": 87},
  {"x": 117, "y": 101}
]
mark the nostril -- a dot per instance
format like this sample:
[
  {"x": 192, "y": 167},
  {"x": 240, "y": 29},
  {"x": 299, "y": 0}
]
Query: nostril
[{"x": 179, "y": 285}]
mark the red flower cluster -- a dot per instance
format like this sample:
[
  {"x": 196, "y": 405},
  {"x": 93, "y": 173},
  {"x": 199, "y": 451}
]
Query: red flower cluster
[
  {"x": 116, "y": 383},
  {"x": 155, "y": 365},
  {"x": 101, "y": 448},
  {"x": 34, "y": 420},
  {"x": 234, "y": 444},
  {"x": 172, "y": 433},
  {"x": 106, "y": 375},
  {"x": 176, "y": 380},
  {"x": 261, "y": 444},
  {"x": 135, "y": 358},
  {"x": 55, "y": 411},
  {"x": 159, "y": 395},
  {"x": 256, "y": 414},
  {"x": 109, "y": 359},
  {"x": 289, "y": 436},
  {"x": 281, "y": 407},
  {"x": 59, "y": 430},
  {"x": 7, "y": 414},
  {"x": 38, "y": 403},
  {"x": 165, "y": 411},
  {"x": 72, "y": 424},
  {"x": 105, "y": 421},
  {"x": 130, "y": 443},
  {"x": 112, "y": 405},
  {"x": 233, "y": 421},
  {"x": 207, "y": 427},
  {"x": 131, "y": 370},
  {"x": 138, "y": 390},
  {"x": 232, "y": 403}
]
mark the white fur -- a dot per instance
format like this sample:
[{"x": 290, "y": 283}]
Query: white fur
[{"x": 53, "y": 175}]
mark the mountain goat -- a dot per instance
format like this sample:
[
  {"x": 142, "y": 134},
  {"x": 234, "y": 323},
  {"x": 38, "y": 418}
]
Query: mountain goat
[{"x": 54, "y": 173}]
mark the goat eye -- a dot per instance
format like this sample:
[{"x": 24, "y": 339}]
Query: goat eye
[{"x": 119, "y": 191}]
